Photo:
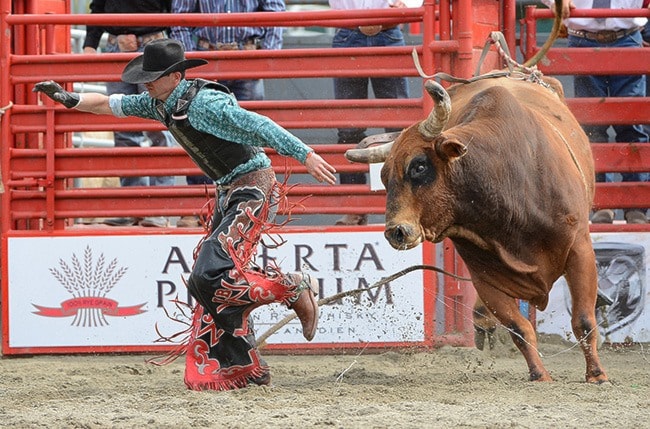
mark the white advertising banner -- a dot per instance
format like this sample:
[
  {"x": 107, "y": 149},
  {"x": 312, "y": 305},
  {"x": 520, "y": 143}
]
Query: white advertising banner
[
  {"x": 114, "y": 291},
  {"x": 375, "y": 176},
  {"x": 623, "y": 307}
]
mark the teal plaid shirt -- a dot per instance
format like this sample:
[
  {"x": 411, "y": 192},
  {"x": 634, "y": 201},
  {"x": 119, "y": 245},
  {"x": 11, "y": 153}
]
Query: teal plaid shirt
[{"x": 217, "y": 113}]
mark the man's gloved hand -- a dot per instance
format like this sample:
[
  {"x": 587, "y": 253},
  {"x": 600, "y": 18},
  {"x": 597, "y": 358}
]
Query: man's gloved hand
[{"x": 58, "y": 94}]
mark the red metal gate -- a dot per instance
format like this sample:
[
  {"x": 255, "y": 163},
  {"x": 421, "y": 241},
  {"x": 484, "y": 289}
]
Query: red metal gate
[
  {"x": 39, "y": 163},
  {"x": 609, "y": 157}
]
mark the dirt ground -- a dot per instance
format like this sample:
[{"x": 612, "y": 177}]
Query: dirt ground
[{"x": 444, "y": 388}]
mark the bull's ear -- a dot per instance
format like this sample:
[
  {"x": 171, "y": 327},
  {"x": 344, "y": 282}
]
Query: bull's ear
[{"x": 449, "y": 149}]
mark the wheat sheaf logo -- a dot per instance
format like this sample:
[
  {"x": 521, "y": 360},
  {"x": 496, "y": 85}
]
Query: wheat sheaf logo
[{"x": 88, "y": 282}]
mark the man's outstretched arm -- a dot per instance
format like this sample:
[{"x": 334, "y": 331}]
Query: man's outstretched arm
[{"x": 92, "y": 102}]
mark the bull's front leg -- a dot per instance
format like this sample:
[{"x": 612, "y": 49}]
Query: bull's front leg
[{"x": 506, "y": 310}]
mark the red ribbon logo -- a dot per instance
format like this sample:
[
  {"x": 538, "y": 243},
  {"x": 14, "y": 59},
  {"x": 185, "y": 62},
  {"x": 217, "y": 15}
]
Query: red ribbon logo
[{"x": 106, "y": 306}]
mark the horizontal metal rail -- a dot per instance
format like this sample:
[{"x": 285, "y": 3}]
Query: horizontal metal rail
[
  {"x": 319, "y": 18},
  {"x": 327, "y": 114},
  {"x": 261, "y": 64},
  {"x": 29, "y": 174},
  {"x": 290, "y": 114},
  {"x": 157, "y": 161}
]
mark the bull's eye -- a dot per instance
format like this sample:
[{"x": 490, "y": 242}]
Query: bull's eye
[{"x": 420, "y": 171}]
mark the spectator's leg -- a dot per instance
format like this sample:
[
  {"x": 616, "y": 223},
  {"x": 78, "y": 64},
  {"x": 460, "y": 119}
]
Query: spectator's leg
[
  {"x": 389, "y": 87},
  {"x": 347, "y": 89},
  {"x": 127, "y": 138},
  {"x": 194, "y": 221},
  {"x": 595, "y": 86},
  {"x": 631, "y": 86},
  {"x": 161, "y": 139},
  {"x": 246, "y": 89}
]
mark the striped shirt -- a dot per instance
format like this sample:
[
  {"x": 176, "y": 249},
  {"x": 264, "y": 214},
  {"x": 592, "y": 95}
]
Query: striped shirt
[
  {"x": 360, "y": 4},
  {"x": 217, "y": 113},
  {"x": 270, "y": 37},
  {"x": 594, "y": 25}
]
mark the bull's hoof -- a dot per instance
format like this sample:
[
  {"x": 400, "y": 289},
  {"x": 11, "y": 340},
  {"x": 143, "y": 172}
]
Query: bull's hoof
[
  {"x": 601, "y": 379},
  {"x": 540, "y": 376},
  {"x": 481, "y": 334},
  {"x": 492, "y": 339},
  {"x": 602, "y": 383},
  {"x": 479, "y": 339}
]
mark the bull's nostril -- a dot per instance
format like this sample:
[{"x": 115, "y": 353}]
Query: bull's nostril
[
  {"x": 397, "y": 234},
  {"x": 400, "y": 234}
]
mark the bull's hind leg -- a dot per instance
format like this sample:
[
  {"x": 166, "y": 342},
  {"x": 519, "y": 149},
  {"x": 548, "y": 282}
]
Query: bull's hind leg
[
  {"x": 506, "y": 310},
  {"x": 485, "y": 325},
  {"x": 582, "y": 277}
]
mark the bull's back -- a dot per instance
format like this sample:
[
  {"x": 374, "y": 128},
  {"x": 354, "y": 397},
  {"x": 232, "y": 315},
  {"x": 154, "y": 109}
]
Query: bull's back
[{"x": 546, "y": 103}]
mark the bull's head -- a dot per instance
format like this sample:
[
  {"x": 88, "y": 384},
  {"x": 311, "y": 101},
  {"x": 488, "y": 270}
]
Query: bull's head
[{"x": 416, "y": 173}]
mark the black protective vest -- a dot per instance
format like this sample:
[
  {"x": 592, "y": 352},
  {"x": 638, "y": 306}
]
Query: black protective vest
[{"x": 215, "y": 156}]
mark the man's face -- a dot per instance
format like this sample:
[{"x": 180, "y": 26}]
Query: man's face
[{"x": 162, "y": 87}]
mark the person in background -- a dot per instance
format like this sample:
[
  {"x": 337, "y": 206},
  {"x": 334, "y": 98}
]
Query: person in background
[
  {"x": 131, "y": 39},
  {"x": 227, "y": 39},
  {"x": 226, "y": 142},
  {"x": 608, "y": 33},
  {"x": 357, "y": 87},
  {"x": 645, "y": 34}
]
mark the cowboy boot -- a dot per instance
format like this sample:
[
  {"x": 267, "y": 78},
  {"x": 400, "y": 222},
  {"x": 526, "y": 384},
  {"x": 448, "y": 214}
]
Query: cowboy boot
[{"x": 305, "y": 304}]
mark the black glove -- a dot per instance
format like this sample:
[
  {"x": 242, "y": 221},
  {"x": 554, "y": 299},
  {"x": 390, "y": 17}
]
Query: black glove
[{"x": 58, "y": 94}]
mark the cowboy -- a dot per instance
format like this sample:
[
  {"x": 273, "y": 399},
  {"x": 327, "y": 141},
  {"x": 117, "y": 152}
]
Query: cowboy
[{"x": 226, "y": 142}]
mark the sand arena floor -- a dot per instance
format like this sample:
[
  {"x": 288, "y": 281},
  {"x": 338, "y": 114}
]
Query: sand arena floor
[{"x": 444, "y": 388}]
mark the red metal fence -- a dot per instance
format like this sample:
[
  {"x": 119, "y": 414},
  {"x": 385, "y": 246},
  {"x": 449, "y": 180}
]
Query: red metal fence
[
  {"x": 39, "y": 164},
  {"x": 609, "y": 157}
]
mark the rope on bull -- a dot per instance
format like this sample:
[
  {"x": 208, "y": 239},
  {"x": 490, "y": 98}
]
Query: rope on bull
[
  {"x": 555, "y": 32},
  {"x": 324, "y": 301},
  {"x": 496, "y": 38}
]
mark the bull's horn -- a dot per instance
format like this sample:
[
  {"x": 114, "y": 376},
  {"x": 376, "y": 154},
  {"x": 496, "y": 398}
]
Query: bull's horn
[
  {"x": 439, "y": 116},
  {"x": 369, "y": 155}
]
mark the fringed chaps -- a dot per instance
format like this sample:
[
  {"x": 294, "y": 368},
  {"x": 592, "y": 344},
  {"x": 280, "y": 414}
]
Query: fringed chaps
[{"x": 228, "y": 285}]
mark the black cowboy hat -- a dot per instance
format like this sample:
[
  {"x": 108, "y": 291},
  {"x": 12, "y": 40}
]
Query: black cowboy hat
[{"x": 160, "y": 57}]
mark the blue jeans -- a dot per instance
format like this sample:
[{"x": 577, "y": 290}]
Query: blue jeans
[
  {"x": 357, "y": 87},
  {"x": 645, "y": 35},
  {"x": 136, "y": 138},
  {"x": 613, "y": 86}
]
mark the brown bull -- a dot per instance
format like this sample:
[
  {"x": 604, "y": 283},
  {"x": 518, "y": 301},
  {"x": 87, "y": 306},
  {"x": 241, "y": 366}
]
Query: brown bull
[{"x": 503, "y": 169}]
